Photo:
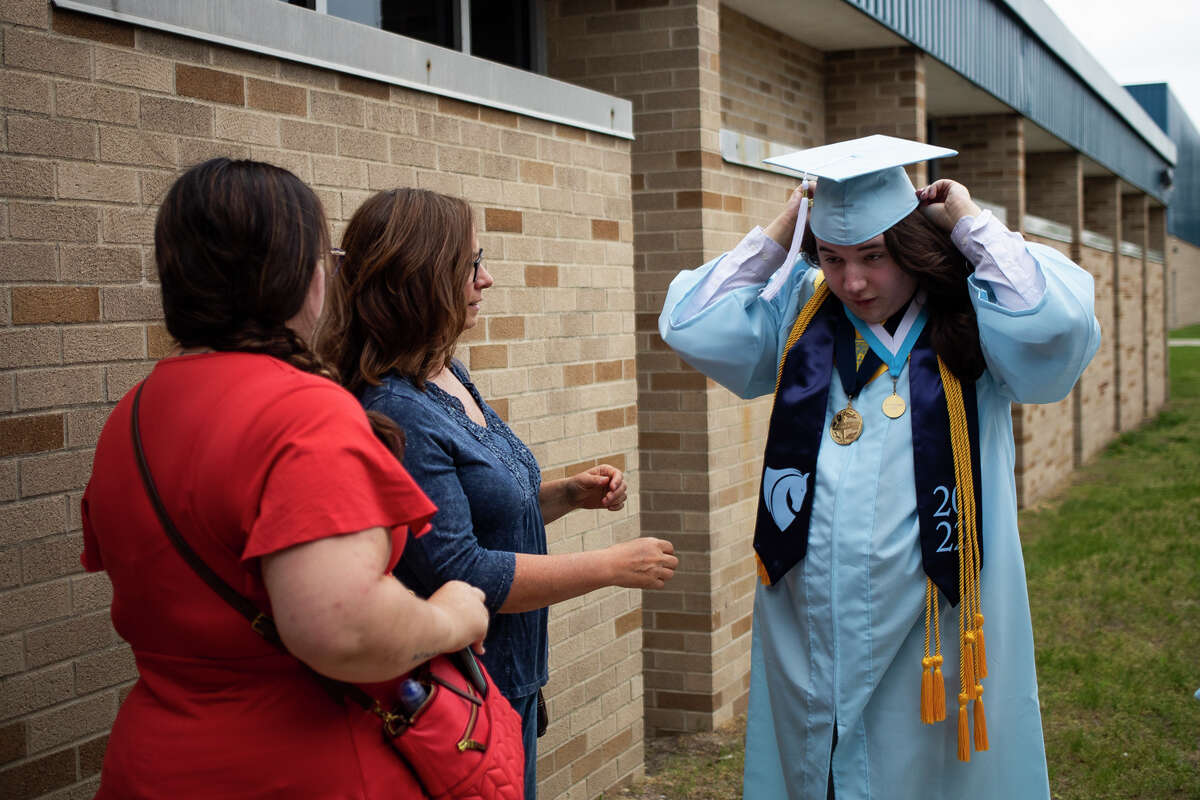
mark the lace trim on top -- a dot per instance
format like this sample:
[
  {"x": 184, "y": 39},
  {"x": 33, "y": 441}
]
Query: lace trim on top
[{"x": 517, "y": 458}]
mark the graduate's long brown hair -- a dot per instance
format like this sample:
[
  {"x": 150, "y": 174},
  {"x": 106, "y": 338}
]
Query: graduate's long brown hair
[{"x": 925, "y": 252}]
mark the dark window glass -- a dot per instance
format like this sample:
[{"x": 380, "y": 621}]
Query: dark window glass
[
  {"x": 501, "y": 30},
  {"x": 309, "y": 4},
  {"x": 430, "y": 21}
]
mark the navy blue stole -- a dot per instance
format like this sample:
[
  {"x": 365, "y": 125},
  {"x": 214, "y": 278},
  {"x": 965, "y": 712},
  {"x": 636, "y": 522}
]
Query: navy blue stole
[{"x": 797, "y": 432}]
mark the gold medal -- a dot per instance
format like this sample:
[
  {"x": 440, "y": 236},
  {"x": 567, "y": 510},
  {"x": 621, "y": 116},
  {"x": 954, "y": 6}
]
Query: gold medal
[
  {"x": 847, "y": 425},
  {"x": 893, "y": 405}
]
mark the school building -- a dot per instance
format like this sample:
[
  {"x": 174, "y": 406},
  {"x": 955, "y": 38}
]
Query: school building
[{"x": 605, "y": 145}]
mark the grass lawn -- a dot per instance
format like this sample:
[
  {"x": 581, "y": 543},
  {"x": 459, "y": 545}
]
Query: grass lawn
[
  {"x": 1190, "y": 332},
  {"x": 1114, "y": 583}
]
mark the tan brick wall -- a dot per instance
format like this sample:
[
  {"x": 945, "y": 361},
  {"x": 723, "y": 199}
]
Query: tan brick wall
[
  {"x": 1183, "y": 279},
  {"x": 1131, "y": 311},
  {"x": 1045, "y": 439},
  {"x": 990, "y": 160},
  {"x": 664, "y": 58},
  {"x": 1131, "y": 343},
  {"x": 1102, "y": 215},
  {"x": 1155, "y": 333},
  {"x": 1158, "y": 379},
  {"x": 1102, "y": 206},
  {"x": 99, "y": 119},
  {"x": 879, "y": 90},
  {"x": 1045, "y": 435},
  {"x": 1054, "y": 188},
  {"x": 772, "y": 86},
  {"x": 1096, "y": 423},
  {"x": 1054, "y": 191}
]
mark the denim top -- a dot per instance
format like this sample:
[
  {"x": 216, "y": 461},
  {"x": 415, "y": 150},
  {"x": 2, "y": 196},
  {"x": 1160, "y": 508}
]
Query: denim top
[{"x": 485, "y": 482}]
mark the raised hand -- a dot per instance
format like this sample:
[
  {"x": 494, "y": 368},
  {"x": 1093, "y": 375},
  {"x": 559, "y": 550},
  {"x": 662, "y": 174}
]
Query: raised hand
[
  {"x": 602, "y": 486},
  {"x": 945, "y": 202},
  {"x": 783, "y": 227}
]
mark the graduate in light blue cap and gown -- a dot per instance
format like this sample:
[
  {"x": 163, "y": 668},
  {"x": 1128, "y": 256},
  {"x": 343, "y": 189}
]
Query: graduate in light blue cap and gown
[{"x": 893, "y": 597}]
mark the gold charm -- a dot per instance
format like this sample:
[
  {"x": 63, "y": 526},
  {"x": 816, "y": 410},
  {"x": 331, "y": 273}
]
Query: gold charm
[
  {"x": 893, "y": 406},
  {"x": 847, "y": 425}
]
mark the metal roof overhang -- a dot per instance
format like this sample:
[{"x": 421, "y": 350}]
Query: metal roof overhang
[{"x": 996, "y": 56}]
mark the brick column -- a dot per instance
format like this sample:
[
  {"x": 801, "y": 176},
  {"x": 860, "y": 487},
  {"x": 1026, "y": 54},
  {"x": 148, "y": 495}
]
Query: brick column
[
  {"x": 665, "y": 60},
  {"x": 1051, "y": 432},
  {"x": 990, "y": 160},
  {"x": 1157, "y": 359},
  {"x": 1054, "y": 190},
  {"x": 1131, "y": 306},
  {"x": 1099, "y": 387},
  {"x": 873, "y": 91}
]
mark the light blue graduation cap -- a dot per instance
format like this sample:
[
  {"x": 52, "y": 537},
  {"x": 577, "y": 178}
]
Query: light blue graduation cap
[{"x": 863, "y": 189}]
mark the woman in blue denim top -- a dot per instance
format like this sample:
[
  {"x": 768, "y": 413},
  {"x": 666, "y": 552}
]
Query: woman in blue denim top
[{"x": 410, "y": 283}]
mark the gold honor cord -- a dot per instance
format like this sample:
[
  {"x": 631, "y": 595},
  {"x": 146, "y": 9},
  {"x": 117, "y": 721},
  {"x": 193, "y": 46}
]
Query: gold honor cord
[
  {"x": 820, "y": 292},
  {"x": 972, "y": 658}
]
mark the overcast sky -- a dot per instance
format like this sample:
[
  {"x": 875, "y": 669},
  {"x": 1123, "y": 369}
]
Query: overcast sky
[{"x": 1142, "y": 41}]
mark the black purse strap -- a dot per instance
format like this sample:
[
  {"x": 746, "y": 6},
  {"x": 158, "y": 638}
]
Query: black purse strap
[{"x": 262, "y": 624}]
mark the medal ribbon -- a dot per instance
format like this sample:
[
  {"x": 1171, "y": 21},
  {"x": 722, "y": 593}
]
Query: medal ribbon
[
  {"x": 853, "y": 380},
  {"x": 895, "y": 350}
]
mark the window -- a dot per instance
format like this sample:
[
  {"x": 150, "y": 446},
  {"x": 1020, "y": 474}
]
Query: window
[{"x": 507, "y": 31}]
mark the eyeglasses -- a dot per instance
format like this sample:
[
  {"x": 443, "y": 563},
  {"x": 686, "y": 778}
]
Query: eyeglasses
[
  {"x": 338, "y": 255},
  {"x": 477, "y": 263}
]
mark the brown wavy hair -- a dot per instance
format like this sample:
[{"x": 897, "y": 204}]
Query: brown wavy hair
[
  {"x": 237, "y": 244},
  {"x": 922, "y": 250},
  {"x": 397, "y": 302}
]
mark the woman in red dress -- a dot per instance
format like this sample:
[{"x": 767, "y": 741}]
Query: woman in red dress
[{"x": 272, "y": 473}]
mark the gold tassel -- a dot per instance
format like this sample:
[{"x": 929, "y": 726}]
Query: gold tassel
[
  {"x": 927, "y": 716},
  {"x": 939, "y": 690},
  {"x": 968, "y": 676},
  {"x": 927, "y": 702},
  {"x": 981, "y": 740},
  {"x": 980, "y": 648},
  {"x": 964, "y": 737},
  {"x": 763, "y": 576}
]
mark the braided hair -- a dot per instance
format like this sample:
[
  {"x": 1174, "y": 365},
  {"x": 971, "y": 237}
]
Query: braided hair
[{"x": 237, "y": 244}]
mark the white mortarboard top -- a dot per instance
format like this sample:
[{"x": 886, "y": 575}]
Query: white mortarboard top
[{"x": 863, "y": 189}]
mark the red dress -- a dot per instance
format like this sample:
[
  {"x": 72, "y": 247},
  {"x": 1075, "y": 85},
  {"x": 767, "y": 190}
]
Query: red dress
[{"x": 250, "y": 456}]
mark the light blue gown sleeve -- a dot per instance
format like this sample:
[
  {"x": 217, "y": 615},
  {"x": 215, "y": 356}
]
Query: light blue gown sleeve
[
  {"x": 736, "y": 339},
  {"x": 1037, "y": 354}
]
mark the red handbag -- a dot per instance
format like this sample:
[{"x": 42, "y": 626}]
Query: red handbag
[
  {"x": 460, "y": 743},
  {"x": 464, "y": 741}
]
